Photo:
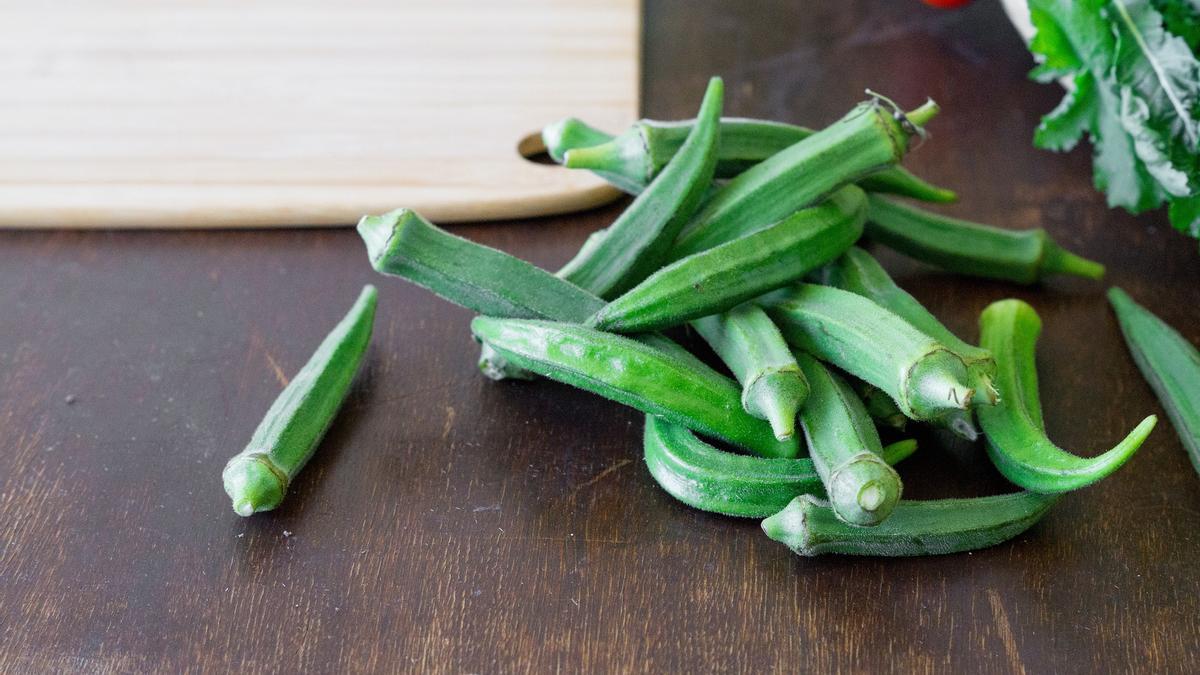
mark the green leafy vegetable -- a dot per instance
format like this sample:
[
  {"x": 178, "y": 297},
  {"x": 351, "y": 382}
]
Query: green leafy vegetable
[{"x": 1136, "y": 93}]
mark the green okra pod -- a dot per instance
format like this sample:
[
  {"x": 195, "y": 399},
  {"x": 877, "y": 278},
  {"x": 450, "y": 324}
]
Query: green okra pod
[
  {"x": 773, "y": 387},
  {"x": 637, "y": 243},
  {"x": 879, "y": 405},
  {"x": 845, "y": 449},
  {"x": 1015, "y": 440},
  {"x": 972, "y": 249},
  {"x": 635, "y": 374},
  {"x": 923, "y": 377},
  {"x": 258, "y": 477},
  {"x": 631, "y": 160},
  {"x": 703, "y": 477},
  {"x": 870, "y": 138},
  {"x": 858, "y": 272},
  {"x": 720, "y": 278},
  {"x": 402, "y": 243},
  {"x": 1169, "y": 363},
  {"x": 809, "y": 526}
]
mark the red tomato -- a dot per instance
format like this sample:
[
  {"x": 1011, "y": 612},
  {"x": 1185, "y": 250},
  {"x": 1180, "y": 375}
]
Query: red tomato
[{"x": 946, "y": 4}]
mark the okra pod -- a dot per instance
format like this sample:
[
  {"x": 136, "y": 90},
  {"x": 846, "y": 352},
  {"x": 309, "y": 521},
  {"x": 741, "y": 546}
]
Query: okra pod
[
  {"x": 879, "y": 405},
  {"x": 868, "y": 139},
  {"x": 636, "y": 244},
  {"x": 1170, "y": 364},
  {"x": 923, "y": 377},
  {"x": 809, "y": 526},
  {"x": 773, "y": 387},
  {"x": 845, "y": 449},
  {"x": 717, "y": 279},
  {"x": 972, "y": 249},
  {"x": 635, "y": 157},
  {"x": 258, "y": 477},
  {"x": 858, "y": 272},
  {"x": 703, "y": 477},
  {"x": 1015, "y": 440},
  {"x": 634, "y": 374},
  {"x": 402, "y": 243}
]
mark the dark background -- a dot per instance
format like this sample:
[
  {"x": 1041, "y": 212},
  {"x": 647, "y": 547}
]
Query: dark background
[{"x": 451, "y": 523}]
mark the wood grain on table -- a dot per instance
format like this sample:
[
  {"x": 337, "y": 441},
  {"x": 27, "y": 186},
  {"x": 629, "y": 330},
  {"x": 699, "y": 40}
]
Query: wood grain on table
[{"x": 454, "y": 524}]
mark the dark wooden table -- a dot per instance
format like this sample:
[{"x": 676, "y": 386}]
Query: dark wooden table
[{"x": 454, "y": 524}]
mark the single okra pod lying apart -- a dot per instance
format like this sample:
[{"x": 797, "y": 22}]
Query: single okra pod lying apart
[
  {"x": 773, "y": 387},
  {"x": 257, "y": 478},
  {"x": 631, "y": 160},
  {"x": 1169, "y": 363},
  {"x": 723, "y": 277},
  {"x": 845, "y": 449},
  {"x": 809, "y": 526},
  {"x": 970, "y": 248},
  {"x": 923, "y": 377},
  {"x": 630, "y": 372},
  {"x": 1015, "y": 440},
  {"x": 637, "y": 243},
  {"x": 709, "y": 479},
  {"x": 871, "y": 137}
]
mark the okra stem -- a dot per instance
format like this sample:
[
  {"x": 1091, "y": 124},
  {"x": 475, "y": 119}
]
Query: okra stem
[{"x": 1016, "y": 443}]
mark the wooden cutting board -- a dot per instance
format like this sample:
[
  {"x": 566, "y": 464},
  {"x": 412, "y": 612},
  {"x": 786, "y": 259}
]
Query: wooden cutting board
[{"x": 233, "y": 113}]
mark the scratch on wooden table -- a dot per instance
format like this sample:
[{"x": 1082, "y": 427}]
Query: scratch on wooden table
[
  {"x": 600, "y": 476},
  {"x": 279, "y": 374}
]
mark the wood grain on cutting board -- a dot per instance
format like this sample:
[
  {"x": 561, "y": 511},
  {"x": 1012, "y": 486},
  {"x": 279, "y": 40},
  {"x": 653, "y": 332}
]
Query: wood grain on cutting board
[{"x": 194, "y": 113}]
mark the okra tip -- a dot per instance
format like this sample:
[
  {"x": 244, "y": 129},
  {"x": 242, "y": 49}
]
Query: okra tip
[
  {"x": 776, "y": 397},
  {"x": 252, "y": 485},
  {"x": 1057, "y": 260},
  {"x": 569, "y": 133}
]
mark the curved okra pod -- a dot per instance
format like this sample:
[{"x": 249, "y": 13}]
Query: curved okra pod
[
  {"x": 773, "y": 387},
  {"x": 717, "y": 279},
  {"x": 858, "y": 272},
  {"x": 923, "y": 377},
  {"x": 257, "y": 478},
  {"x": 972, "y": 249},
  {"x": 871, "y": 137},
  {"x": 637, "y": 242},
  {"x": 703, "y": 477},
  {"x": 630, "y": 372},
  {"x": 635, "y": 157},
  {"x": 1015, "y": 440},
  {"x": 1169, "y": 363},
  {"x": 809, "y": 526},
  {"x": 845, "y": 449}
]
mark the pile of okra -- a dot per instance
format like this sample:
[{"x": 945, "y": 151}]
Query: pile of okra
[{"x": 746, "y": 232}]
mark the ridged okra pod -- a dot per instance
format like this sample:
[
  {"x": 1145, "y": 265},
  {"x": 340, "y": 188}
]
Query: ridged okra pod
[
  {"x": 809, "y": 526},
  {"x": 963, "y": 247},
  {"x": 634, "y": 374},
  {"x": 858, "y": 272},
  {"x": 1169, "y": 363},
  {"x": 703, "y": 477},
  {"x": 632, "y": 159},
  {"x": 258, "y": 477},
  {"x": 720, "y": 278},
  {"x": 845, "y": 449},
  {"x": 1015, "y": 440},
  {"x": 923, "y": 377},
  {"x": 870, "y": 138},
  {"x": 773, "y": 387},
  {"x": 881, "y": 407},
  {"x": 636, "y": 244}
]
